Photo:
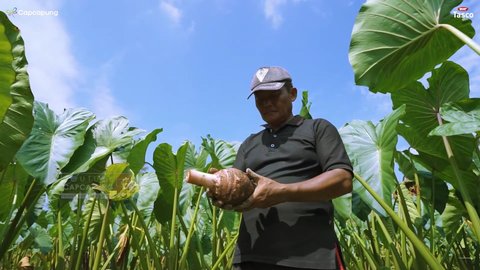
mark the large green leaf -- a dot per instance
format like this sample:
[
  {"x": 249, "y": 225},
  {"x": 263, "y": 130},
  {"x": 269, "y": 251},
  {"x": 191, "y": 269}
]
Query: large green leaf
[
  {"x": 37, "y": 238},
  {"x": 103, "y": 138},
  {"x": 53, "y": 141},
  {"x": 453, "y": 215},
  {"x": 118, "y": 182},
  {"x": 395, "y": 42},
  {"x": 463, "y": 117},
  {"x": 169, "y": 168},
  {"x": 222, "y": 153},
  {"x": 448, "y": 83},
  {"x": 442, "y": 169},
  {"x": 193, "y": 160},
  {"x": 99, "y": 210},
  {"x": 147, "y": 193},
  {"x": 343, "y": 206},
  {"x": 136, "y": 158},
  {"x": 371, "y": 149},
  {"x": 196, "y": 159},
  {"x": 413, "y": 214},
  {"x": 305, "y": 110},
  {"x": 16, "y": 98}
]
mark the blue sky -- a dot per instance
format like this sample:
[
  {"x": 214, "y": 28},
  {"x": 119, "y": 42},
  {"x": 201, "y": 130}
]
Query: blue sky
[{"x": 185, "y": 66}]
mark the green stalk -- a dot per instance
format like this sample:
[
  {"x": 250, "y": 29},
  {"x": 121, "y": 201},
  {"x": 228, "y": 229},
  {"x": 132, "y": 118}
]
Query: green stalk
[
  {"x": 190, "y": 230},
  {"x": 432, "y": 218},
  {"x": 136, "y": 243},
  {"x": 200, "y": 253},
  {"x": 419, "y": 245},
  {"x": 224, "y": 253},
  {"x": 367, "y": 252},
  {"x": 60, "y": 254},
  {"x": 419, "y": 201},
  {"x": 172, "y": 265},
  {"x": 73, "y": 251},
  {"x": 151, "y": 244},
  {"x": 98, "y": 254},
  {"x": 460, "y": 35},
  {"x": 84, "y": 235},
  {"x": 477, "y": 254},
  {"x": 373, "y": 241},
  {"x": 419, "y": 263},
  {"x": 396, "y": 257},
  {"x": 105, "y": 265},
  {"x": 17, "y": 223},
  {"x": 214, "y": 234},
  {"x": 472, "y": 212},
  {"x": 403, "y": 241},
  {"x": 454, "y": 239}
]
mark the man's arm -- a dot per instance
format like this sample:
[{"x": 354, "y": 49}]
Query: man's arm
[{"x": 323, "y": 187}]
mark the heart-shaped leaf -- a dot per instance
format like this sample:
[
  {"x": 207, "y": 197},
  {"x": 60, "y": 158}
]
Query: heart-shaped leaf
[
  {"x": 101, "y": 139},
  {"x": 53, "y": 140},
  {"x": 448, "y": 83},
  {"x": 16, "y": 98},
  {"x": 169, "y": 168},
  {"x": 464, "y": 118},
  {"x": 371, "y": 149},
  {"x": 395, "y": 42},
  {"x": 118, "y": 182}
]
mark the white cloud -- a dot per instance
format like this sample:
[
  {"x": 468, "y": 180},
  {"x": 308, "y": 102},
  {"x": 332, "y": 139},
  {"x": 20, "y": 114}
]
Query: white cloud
[
  {"x": 53, "y": 69},
  {"x": 56, "y": 77},
  {"x": 173, "y": 12},
  {"x": 272, "y": 11}
]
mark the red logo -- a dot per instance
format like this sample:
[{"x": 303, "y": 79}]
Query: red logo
[{"x": 462, "y": 8}]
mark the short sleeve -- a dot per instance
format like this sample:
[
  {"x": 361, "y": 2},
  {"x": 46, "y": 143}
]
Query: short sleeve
[
  {"x": 240, "y": 158},
  {"x": 329, "y": 146}
]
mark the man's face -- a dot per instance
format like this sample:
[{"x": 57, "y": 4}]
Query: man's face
[{"x": 275, "y": 106}]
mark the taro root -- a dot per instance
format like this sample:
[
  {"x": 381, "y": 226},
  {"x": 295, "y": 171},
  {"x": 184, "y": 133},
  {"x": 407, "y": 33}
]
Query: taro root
[{"x": 231, "y": 186}]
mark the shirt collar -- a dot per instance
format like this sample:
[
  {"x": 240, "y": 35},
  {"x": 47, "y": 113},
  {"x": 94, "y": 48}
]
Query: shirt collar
[{"x": 297, "y": 120}]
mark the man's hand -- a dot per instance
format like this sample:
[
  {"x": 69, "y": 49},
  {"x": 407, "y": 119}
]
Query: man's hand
[{"x": 267, "y": 193}]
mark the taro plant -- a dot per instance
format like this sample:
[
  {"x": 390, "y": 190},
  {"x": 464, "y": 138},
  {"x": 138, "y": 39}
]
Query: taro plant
[
  {"x": 81, "y": 194},
  {"x": 430, "y": 218}
]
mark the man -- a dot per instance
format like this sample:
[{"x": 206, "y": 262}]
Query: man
[{"x": 298, "y": 166}]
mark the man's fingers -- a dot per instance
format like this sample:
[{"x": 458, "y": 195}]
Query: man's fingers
[
  {"x": 220, "y": 204},
  {"x": 212, "y": 170},
  {"x": 245, "y": 205},
  {"x": 253, "y": 175}
]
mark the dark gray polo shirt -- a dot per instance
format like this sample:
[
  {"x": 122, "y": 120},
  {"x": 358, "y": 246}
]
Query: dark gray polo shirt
[{"x": 294, "y": 234}]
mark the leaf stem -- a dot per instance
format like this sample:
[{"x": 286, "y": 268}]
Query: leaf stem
[
  {"x": 151, "y": 244},
  {"x": 472, "y": 212},
  {"x": 84, "y": 235},
  {"x": 419, "y": 245},
  {"x": 224, "y": 253},
  {"x": 460, "y": 35},
  {"x": 190, "y": 231},
  {"x": 19, "y": 218},
  {"x": 173, "y": 224},
  {"x": 98, "y": 254},
  {"x": 61, "y": 253}
]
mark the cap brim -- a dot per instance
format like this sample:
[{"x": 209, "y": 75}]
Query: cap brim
[{"x": 267, "y": 86}]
